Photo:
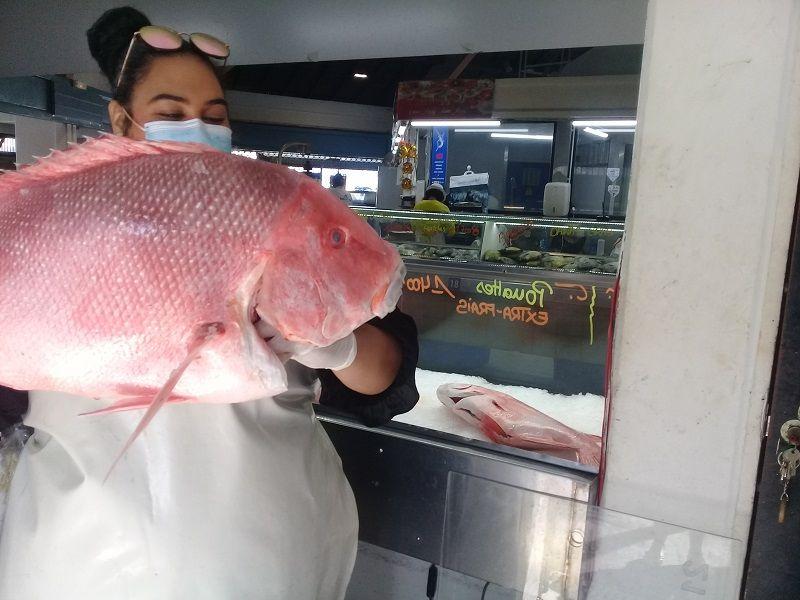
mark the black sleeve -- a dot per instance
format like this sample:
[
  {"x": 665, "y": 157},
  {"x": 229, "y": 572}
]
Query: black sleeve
[
  {"x": 399, "y": 397},
  {"x": 13, "y": 406}
]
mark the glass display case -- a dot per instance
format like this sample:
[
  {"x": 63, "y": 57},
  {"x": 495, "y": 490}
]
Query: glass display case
[
  {"x": 565, "y": 245},
  {"x": 520, "y": 301},
  {"x": 443, "y": 236},
  {"x": 512, "y": 312}
]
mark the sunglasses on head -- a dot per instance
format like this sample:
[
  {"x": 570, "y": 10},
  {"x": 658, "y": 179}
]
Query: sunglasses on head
[{"x": 164, "y": 38}]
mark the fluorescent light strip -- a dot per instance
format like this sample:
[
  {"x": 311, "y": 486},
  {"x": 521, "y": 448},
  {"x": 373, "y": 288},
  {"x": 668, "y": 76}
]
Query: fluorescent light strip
[
  {"x": 522, "y": 136},
  {"x": 360, "y": 75},
  {"x": 274, "y": 153},
  {"x": 607, "y": 130},
  {"x": 608, "y": 123},
  {"x": 455, "y": 123},
  {"x": 597, "y": 132},
  {"x": 457, "y": 130}
]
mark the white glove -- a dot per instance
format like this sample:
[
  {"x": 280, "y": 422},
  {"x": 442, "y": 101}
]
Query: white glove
[{"x": 339, "y": 355}]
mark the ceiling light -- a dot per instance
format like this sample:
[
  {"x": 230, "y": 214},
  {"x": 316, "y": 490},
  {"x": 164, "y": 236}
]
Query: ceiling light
[
  {"x": 454, "y": 123},
  {"x": 360, "y": 75},
  {"x": 478, "y": 130},
  {"x": 627, "y": 130},
  {"x": 607, "y": 123},
  {"x": 522, "y": 136},
  {"x": 597, "y": 132}
]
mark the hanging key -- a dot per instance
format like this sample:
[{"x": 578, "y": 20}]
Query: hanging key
[
  {"x": 790, "y": 432},
  {"x": 784, "y": 473},
  {"x": 788, "y": 461},
  {"x": 791, "y": 459},
  {"x": 784, "y": 502}
]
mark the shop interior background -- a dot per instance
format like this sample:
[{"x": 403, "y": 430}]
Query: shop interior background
[
  {"x": 336, "y": 117},
  {"x": 440, "y": 31}
]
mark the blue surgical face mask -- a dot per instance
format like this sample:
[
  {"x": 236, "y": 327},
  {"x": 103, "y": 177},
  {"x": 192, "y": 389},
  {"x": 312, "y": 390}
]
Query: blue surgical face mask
[{"x": 193, "y": 130}]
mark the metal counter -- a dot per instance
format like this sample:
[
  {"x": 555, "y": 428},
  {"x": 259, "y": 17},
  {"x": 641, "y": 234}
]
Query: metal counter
[{"x": 401, "y": 476}]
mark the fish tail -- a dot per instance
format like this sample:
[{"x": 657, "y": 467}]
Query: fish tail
[{"x": 205, "y": 334}]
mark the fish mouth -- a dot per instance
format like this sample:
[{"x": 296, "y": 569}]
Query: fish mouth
[
  {"x": 265, "y": 330},
  {"x": 385, "y": 300}
]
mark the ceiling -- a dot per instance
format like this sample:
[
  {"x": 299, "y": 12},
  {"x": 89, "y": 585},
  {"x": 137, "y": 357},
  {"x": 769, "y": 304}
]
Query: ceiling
[
  {"x": 283, "y": 31},
  {"x": 333, "y": 80}
]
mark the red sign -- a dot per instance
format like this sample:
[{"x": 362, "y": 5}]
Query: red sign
[{"x": 448, "y": 99}]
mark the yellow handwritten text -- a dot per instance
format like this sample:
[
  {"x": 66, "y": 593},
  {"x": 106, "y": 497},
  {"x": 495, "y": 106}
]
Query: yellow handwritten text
[
  {"x": 565, "y": 231},
  {"x": 470, "y": 307},
  {"x": 533, "y": 295},
  {"x": 425, "y": 283},
  {"x": 523, "y": 314},
  {"x": 583, "y": 296}
]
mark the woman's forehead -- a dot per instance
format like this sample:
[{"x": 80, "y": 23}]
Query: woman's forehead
[{"x": 179, "y": 77}]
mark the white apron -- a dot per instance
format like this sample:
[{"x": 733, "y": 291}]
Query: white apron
[{"x": 236, "y": 501}]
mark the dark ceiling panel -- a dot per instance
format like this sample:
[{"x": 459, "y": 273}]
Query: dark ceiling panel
[{"x": 334, "y": 80}]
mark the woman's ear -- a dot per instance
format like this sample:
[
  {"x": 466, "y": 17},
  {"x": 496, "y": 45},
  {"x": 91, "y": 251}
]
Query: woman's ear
[{"x": 118, "y": 118}]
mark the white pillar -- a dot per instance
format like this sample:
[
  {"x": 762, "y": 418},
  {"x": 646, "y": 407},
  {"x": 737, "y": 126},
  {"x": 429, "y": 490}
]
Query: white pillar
[
  {"x": 714, "y": 182},
  {"x": 37, "y": 137}
]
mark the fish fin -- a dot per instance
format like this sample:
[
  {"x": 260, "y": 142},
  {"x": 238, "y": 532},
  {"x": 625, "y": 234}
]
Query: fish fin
[
  {"x": 493, "y": 430},
  {"x": 82, "y": 157},
  {"x": 203, "y": 336},
  {"x": 267, "y": 364},
  {"x": 130, "y": 404}
]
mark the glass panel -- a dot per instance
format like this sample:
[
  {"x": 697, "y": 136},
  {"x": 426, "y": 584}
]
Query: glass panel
[
  {"x": 568, "y": 246},
  {"x": 356, "y": 180},
  {"x": 452, "y": 238},
  {"x": 601, "y": 171},
  {"x": 545, "y": 547},
  {"x": 528, "y": 243},
  {"x": 8, "y": 145},
  {"x": 517, "y": 157},
  {"x": 515, "y": 329}
]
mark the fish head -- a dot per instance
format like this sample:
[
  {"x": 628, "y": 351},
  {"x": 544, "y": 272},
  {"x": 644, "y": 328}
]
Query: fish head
[
  {"x": 327, "y": 272},
  {"x": 450, "y": 394}
]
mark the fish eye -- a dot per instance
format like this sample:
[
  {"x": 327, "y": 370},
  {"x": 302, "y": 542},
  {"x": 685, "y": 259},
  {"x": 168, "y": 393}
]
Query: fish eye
[{"x": 337, "y": 237}]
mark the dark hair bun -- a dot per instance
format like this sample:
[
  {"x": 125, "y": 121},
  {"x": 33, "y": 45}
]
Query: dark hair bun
[{"x": 110, "y": 36}]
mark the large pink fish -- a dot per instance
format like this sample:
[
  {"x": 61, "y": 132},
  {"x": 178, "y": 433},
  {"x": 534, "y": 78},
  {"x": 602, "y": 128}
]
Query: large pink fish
[
  {"x": 138, "y": 271},
  {"x": 505, "y": 420}
]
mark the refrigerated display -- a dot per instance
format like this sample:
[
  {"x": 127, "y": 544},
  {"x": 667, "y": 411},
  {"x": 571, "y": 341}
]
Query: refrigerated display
[{"x": 562, "y": 245}]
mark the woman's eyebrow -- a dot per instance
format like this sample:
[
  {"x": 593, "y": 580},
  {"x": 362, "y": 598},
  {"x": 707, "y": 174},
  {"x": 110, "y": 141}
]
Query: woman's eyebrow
[
  {"x": 221, "y": 101},
  {"x": 167, "y": 97}
]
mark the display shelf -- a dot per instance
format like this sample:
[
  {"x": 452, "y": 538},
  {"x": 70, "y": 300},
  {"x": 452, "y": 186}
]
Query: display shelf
[{"x": 521, "y": 243}]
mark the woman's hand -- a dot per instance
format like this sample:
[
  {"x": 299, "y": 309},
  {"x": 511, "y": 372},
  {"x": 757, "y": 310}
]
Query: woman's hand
[
  {"x": 338, "y": 355},
  {"x": 366, "y": 361}
]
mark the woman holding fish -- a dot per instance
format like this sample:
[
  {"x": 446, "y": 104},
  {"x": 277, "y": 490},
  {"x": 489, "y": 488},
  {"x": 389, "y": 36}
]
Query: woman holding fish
[{"x": 176, "y": 294}]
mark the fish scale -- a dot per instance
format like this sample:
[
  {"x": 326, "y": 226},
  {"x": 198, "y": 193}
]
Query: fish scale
[{"x": 129, "y": 266}]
